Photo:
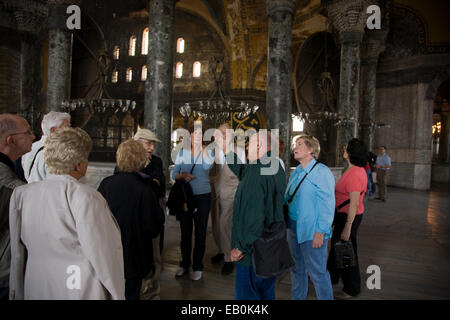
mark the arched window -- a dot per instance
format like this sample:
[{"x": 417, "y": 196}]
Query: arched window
[
  {"x": 297, "y": 124},
  {"x": 144, "y": 49},
  {"x": 115, "y": 76},
  {"x": 144, "y": 73},
  {"x": 132, "y": 49},
  {"x": 116, "y": 52},
  {"x": 196, "y": 70},
  {"x": 129, "y": 77},
  {"x": 179, "y": 70},
  {"x": 180, "y": 45}
]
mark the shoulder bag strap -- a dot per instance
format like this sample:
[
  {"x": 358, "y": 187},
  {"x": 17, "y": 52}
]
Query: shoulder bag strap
[
  {"x": 34, "y": 159},
  {"x": 292, "y": 196},
  {"x": 346, "y": 202},
  {"x": 195, "y": 162}
]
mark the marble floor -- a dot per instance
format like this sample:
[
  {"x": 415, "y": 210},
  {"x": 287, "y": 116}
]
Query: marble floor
[{"x": 408, "y": 237}]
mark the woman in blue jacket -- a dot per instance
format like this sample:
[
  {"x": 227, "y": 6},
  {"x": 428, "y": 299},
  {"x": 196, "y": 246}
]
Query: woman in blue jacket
[{"x": 311, "y": 212}]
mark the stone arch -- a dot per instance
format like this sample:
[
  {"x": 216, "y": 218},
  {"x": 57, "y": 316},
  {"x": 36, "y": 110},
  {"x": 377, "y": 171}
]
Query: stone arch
[
  {"x": 407, "y": 34},
  {"x": 301, "y": 70},
  {"x": 257, "y": 69},
  {"x": 438, "y": 79}
]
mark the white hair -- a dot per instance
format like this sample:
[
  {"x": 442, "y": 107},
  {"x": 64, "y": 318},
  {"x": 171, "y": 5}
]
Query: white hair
[
  {"x": 53, "y": 119},
  {"x": 66, "y": 148}
]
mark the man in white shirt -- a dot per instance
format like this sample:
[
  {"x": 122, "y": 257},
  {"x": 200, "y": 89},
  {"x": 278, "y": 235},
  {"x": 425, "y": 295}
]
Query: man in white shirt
[
  {"x": 33, "y": 163},
  {"x": 225, "y": 187}
]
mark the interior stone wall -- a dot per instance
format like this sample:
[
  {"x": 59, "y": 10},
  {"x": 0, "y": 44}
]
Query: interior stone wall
[
  {"x": 408, "y": 140},
  {"x": 9, "y": 70}
]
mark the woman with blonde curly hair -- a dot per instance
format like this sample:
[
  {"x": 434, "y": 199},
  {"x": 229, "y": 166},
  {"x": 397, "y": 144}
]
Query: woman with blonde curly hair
[
  {"x": 134, "y": 204},
  {"x": 65, "y": 243}
]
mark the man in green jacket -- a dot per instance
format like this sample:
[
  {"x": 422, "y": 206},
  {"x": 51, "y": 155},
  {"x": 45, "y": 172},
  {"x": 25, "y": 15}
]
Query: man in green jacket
[{"x": 257, "y": 203}]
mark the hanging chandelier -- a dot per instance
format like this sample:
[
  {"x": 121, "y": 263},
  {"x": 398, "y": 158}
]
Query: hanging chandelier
[{"x": 217, "y": 107}]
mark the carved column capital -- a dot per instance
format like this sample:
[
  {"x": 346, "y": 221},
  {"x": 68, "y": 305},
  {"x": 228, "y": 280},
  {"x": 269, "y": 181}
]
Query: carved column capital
[
  {"x": 30, "y": 15},
  {"x": 275, "y": 6},
  {"x": 348, "y": 15},
  {"x": 373, "y": 45}
]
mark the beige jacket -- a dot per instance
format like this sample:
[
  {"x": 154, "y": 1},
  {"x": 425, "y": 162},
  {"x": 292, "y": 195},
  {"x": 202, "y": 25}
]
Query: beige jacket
[{"x": 65, "y": 243}]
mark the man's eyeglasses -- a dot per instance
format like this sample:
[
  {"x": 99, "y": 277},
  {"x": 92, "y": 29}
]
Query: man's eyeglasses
[{"x": 29, "y": 131}]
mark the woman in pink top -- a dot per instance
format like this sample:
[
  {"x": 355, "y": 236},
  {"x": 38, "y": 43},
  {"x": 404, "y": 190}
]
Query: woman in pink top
[{"x": 349, "y": 189}]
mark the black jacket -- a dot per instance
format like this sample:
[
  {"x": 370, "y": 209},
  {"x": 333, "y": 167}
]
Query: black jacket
[
  {"x": 134, "y": 205},
  {"x": 154, "y": 170}
]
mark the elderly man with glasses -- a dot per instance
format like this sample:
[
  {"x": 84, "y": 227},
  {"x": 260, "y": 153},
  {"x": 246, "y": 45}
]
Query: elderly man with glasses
[{"x": 16, "y": 138}]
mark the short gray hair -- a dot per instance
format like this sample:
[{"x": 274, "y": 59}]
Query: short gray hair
[
  {"x": 66, "y": 148},
  {"x": 131, "y": 156},
  {"x": 53, "y": 119}
]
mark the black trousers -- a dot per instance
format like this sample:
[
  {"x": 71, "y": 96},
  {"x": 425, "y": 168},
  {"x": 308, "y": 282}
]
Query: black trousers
[
  {"x": 350, "y": 276},
  {"x": 133, "y": 288},
  {"x": 199, "y": 219}
]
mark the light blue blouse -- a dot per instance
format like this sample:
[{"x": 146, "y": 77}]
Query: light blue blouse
[
  {"x": 313, "y": 205},
  {"x": 184, "y": 163}
]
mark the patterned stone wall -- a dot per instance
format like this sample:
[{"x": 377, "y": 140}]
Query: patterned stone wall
[{"x": 9, "y": 80}]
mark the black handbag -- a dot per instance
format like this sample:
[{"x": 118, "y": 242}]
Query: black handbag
[
  {"x": 181, "y": 197},
  {"x": 271, "y": 254},
  {"x": 344, "y": 254}
]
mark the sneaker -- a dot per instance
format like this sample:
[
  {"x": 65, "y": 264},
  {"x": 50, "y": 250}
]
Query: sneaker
[
  {"x": 227, "y": 268},
  {"x": 217, "y": 258},
  {"x": 196, "y": 275},
  {"x": 180, "y": 272}
]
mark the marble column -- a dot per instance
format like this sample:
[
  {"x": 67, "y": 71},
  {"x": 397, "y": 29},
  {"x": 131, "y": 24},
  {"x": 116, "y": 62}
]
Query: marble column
[
  {"x": 279, "y": 69},
  {"x": 373, "y": 45},
  {"x": 349, "y": 84},
  {"x": 158, "y": 86},
  {"x": 348, "y": 18},
  {"x": 30, "y": 17},
  {"x": 59, "y": 55},
  {"x": 31, "y": 80}
]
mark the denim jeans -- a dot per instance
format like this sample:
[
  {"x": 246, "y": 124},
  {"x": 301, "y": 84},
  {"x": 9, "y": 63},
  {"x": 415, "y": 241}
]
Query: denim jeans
[
  {"x": 251, "y": 287},
  {"x": 369, "y": 183},
  {"x": 310, "y": 262},
  {"x": 200, "y": 220},
  {"x": 4, "y": 293}
]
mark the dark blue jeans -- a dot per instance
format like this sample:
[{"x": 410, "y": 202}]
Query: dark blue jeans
[
  {"x": 370, "y": 184},
  {"x": 4, "y": 293},
  {"x": 251, "y": 287},
  {"x": 199, "y": 219}
]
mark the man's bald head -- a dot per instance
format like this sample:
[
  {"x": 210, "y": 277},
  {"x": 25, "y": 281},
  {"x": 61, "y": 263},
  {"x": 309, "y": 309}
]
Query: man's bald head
[
  {"x": 16, "y": 136},
  {"x": 8, "y": 124}
]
